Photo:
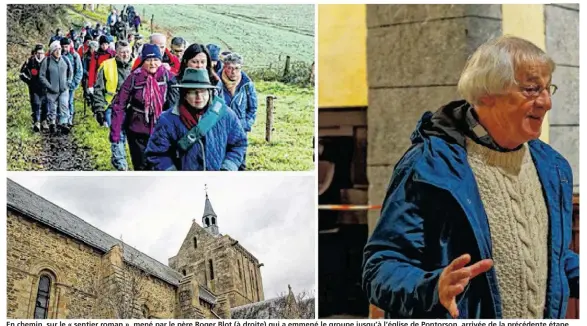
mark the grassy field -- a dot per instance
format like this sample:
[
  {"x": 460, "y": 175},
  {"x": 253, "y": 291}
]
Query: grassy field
[{"x": 263, "y": 34}]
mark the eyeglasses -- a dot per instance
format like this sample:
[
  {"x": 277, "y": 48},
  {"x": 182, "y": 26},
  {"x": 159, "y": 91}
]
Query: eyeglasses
[{"x": 534, "y": 91}]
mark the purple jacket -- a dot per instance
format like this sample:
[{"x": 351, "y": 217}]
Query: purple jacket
[{"x": 128, "y": 104}]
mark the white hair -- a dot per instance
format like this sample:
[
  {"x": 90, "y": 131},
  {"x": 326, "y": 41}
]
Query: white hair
[
  {"x": 156, "y": 36},
  {"x": 233, "y": 58},
  {"x": 491, "y": 69}
]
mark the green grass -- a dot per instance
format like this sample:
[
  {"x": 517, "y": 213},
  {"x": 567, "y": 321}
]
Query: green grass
[
  {"x": 89, "y": 134},
  {"x": 263, "y": 34},
  {"x": 23, "y": 145},
  {"x": 293, "y": 120}
]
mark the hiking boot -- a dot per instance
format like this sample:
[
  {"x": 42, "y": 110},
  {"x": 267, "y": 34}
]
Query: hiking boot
[
  {"x": 64, "y": 128},
  {"x": 36, "y": 127},
  {"x": 44, "y": 125},
  {"x": 52, "y": 128}
]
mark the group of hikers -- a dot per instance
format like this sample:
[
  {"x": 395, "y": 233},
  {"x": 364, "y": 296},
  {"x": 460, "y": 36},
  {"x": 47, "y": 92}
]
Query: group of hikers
[{"x": 179, "y": 107}]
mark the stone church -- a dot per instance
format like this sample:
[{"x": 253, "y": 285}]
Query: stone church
[{"x": 60, "y": 266}]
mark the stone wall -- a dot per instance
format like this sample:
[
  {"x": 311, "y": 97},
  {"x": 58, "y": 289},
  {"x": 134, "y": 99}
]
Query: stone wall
[
  {"x": 562, "y": 44},
  {"x": 415, "y": 54},
  {"x": 79, "y": 275},
  {"x": 227, "y": 259},
  {"x": 33, "y": 248}
]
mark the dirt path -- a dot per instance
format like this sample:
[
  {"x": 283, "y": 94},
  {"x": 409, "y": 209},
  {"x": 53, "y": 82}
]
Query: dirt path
[
  {"x": 61, "y": 153},
  {"x": 54, "y": 152}
]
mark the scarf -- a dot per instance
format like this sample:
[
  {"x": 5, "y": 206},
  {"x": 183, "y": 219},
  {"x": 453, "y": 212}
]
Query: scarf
[
  {"x": 190, "y": 118},
  {"x": 231, "y": 85},
  {"x": 153, "y": 99}
]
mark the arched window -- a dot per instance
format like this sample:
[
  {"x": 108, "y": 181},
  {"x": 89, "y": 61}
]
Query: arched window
[
  {"x": 213, "y": 221},
  {"x": 207, "y": 221},
  {"x": 195, "y": 243},
  {"x": 43, "y": 296},
  {"x": 240, "y": 274},
  {"x": 183, "y": 272},
  {"x": 211, "y": 270}
]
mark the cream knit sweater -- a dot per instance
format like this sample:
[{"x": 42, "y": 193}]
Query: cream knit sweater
[{"x": 513, "y": 200}]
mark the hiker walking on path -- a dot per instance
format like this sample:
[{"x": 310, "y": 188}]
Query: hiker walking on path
[
  {"x": 111, "y": 75},
  {"x": 104, "y": 53},
  {"x": 239, "y": 93},
  {"x": 196, "y": 56},
  {"x": 57, "y": 37},
  {"x": 214, "y": 51},
  {"x": 56, "y": 75},
  {"x": 200, "y": 133},
  {"x": 178, "y": 45},
  {"x": 29, "y": 73},
  {"x": 119, "y": 30},
  {"x": 112, "y": 19},
  {"x": 146, "y": 92},
  {"x": 87, "y": 63},
  {"x": 78, "y": 71},
  {"x": 168, "y": 60},
  {"x": 136, "y": 23}
]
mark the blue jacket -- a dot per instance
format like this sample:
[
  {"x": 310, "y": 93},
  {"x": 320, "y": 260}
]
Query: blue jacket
[
  {"x": 433, "y": 213},
  {"x": 78, "y": 68},
  {"x": 224, "y": 145},
  {"x": 244, "y": 101}
]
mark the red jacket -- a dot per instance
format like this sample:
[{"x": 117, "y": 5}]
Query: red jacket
[
  {"x": 168, "y": 57},
  {"x": 95, "y": 63},
  {"x": 82, "y": 49}
]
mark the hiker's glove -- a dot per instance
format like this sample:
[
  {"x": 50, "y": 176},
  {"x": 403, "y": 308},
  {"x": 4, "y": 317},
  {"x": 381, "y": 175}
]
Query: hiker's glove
[
  {"x": 91, "y": 90},
  {"x": 100, "y": 117}
]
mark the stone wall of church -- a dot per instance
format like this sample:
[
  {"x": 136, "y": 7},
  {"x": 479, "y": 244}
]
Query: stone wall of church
[
  {"x": 33, "y": 249},
  {"x": 160, "y": 298},
  {"x": 74, "y": 268}
]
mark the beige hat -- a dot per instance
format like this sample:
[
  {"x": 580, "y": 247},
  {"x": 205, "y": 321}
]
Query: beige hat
[{"x": 56, "y": 45}]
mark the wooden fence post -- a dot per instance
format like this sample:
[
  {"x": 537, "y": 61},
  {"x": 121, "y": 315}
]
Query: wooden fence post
[
  {"x": 152, "y": 18},
  {"x": 269, "y": 122},
  {"x": 286, "y": 70}
]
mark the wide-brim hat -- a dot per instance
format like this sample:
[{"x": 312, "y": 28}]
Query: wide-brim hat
[{"x": 195, "y": 78}]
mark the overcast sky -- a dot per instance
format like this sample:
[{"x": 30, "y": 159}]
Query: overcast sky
[{"x": 272, "y": 217}]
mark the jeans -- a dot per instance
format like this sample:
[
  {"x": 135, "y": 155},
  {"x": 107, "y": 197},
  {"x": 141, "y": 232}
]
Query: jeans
[
  {"x": 36, "y": 98},
  {"x": 58, "y": 107},
  {"x": 71, "y": 107},
  {"x": 118, "y": 158}
]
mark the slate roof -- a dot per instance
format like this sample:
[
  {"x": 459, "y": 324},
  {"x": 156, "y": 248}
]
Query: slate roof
[
  {"x": 39, "y": 209},
  {"x": 208, "y": 208},
  {"x": 267, "y": 309}
]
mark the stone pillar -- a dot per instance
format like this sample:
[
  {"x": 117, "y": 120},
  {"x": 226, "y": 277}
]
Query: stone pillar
[
  {"x": 61, "y": 310},
  {"x": 110, "y": 284},
  {"x": 259, "y": 280},
  {"x": 415, "y": 54},
  {"x": 223, "y": 306},
  {"x": 562, "y": 44},
  {"x": 188, "y": 299}
]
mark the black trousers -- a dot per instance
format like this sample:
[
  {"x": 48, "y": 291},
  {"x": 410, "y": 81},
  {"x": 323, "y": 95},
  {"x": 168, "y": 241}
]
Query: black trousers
[{"x": 137, "y": 143}]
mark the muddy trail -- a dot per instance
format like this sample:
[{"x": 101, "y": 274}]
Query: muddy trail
[
  {"x": 49, "y": 152},
  {"x": 61, "y": 153}
]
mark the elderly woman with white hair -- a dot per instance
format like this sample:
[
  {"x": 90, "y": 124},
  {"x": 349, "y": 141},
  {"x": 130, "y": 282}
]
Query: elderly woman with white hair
[
  {"x": 476, "y": 222},
  {"x": 239, "y": 92}
]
